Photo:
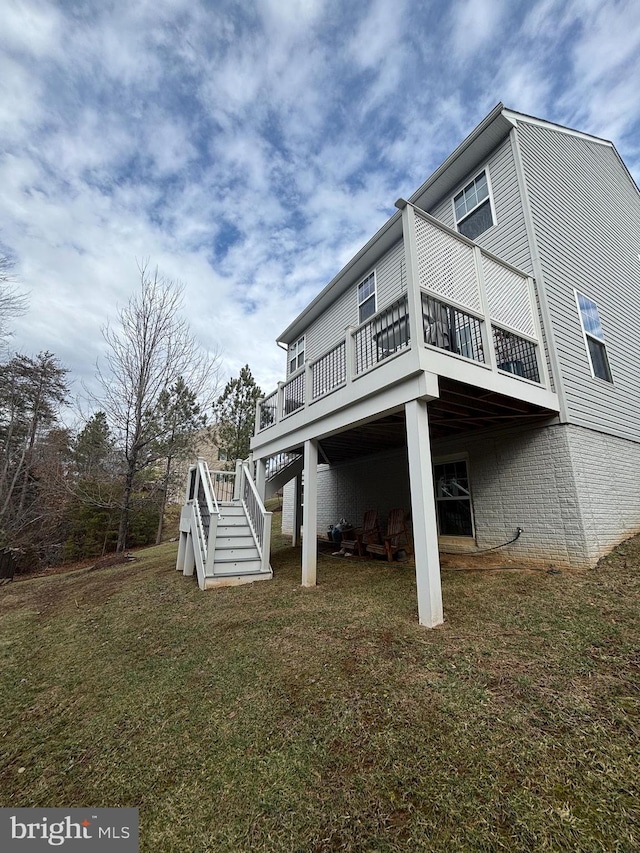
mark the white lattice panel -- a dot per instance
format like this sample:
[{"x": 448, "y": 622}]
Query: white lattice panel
[
  {"x": 508, "y": 297},
  {"x": 446, "y": 266}
]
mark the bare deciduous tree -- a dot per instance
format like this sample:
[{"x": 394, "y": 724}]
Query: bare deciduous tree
[
  {"x": 148, "y": 351},
  {"x": 12, "y": 302}
]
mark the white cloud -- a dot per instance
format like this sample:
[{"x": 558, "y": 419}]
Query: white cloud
[
  {"x": 31, "y": 27},
  {"x": 250, "y": 149},
  {"x": 474, "y": 23}
]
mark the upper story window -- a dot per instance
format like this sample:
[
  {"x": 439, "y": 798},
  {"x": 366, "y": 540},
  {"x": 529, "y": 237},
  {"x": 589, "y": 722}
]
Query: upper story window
[
  {"x": 594, "y": 338},
  {"x": 296, "y": 355},
  {"x": 367, "y": 298},
  {"x": 473, "y": 207}
]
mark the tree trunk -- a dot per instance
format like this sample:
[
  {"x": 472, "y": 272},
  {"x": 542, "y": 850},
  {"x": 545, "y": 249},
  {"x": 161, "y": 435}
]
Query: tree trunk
[
  {"x": 163, "y": 502},
  {"x": 123, "y": 529}
]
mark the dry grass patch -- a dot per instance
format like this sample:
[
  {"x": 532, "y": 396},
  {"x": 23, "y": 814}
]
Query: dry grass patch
[{"x": 270, "y": 717}]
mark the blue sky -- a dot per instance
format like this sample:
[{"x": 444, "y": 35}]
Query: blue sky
[{"x": 250, "y": 148}]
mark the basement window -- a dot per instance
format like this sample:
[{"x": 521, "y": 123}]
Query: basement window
[
  {"x": 594, "y": 338},
  {"x": 472, "y": 206},
  {"x": 453, "y": 498}
]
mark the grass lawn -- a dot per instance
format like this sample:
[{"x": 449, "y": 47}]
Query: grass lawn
[{"x": 275, "y": 718}]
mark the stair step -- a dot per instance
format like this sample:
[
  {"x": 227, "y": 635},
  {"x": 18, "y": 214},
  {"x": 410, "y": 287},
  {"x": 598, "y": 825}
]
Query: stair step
[
  {"x": 243, "y": 555},
  {"x": 237, "y": 580},
  {"x": 231, "y": 509},
  {"x": 232, "y": 520},
  {"x": 237, "y": 567},
  {"x": 233, "y": 530},
  {"x": 234, "y": 541}
]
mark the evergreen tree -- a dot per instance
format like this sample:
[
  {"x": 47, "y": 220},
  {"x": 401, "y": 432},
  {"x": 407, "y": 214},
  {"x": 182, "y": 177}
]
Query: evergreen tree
[
  {"x": 32, "y": 390},
  {"x": 180, "y": 418},
  {"x": 94, "y": 446},
  {"x": 235, "y": 412}
]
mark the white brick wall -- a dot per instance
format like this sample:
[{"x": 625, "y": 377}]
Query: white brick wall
[
  {"x": 575, "y": 492},
  {"x": 607, "y": 471}
]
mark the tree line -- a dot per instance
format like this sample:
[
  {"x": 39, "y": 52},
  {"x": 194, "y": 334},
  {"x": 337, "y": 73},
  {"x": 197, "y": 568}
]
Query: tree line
[{"x": 69, "y": 493}]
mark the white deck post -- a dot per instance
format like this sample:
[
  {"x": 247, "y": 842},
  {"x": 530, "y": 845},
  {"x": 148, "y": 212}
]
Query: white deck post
[
  {"x": 261, "y": 478},
  {"x": 297, "y": 510},
  {"x": 310, "y": 514},
  {"x": 423, "y": 511},
  {"x": 189, "y": 557},
  {"x": 237, "y": 485}
]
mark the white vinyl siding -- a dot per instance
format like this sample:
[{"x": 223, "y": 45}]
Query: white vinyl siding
[
  {"x": 390, "y": 276},
  {"x": 586, "y": 215},
  {"x": 508, "y": 237}
]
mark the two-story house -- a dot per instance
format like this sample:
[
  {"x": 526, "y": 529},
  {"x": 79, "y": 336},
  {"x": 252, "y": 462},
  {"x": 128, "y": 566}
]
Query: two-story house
[{"x": 476, "y": 362}]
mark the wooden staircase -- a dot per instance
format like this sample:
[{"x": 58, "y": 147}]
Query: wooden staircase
[
  {"x": 235, "y": 549},
  {"x": 226, "y": 542}
]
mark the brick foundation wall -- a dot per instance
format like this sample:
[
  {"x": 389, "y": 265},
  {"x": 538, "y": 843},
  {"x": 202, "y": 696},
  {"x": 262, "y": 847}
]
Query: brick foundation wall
[{"x": 575, "y": 492}]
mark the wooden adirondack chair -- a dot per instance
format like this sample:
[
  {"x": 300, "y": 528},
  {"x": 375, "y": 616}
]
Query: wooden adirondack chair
[
  {"x": 396, "y": 538},
  {"x": 358, "y": 539}
]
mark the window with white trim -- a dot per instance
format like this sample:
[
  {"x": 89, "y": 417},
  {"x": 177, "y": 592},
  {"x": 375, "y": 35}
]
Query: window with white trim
[
  {"x": 594, "y": 338},
  {"x": 367, "y": 298},
  {"x": 296, "y": 355},
  {"x": 472, "y": 207},
  {"x": 453, "y": 498}
]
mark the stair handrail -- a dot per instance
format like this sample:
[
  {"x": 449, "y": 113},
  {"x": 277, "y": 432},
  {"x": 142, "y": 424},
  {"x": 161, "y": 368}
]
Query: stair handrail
[
  {"x": 209, "y": 491},
  {"x": 214, "y": 515},
  {"x": 257, "y": 516},
  {"x": 200, "y": 553}
]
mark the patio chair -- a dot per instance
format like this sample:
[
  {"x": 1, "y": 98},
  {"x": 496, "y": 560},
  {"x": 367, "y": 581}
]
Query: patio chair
[
  {"x": 397, "y": 537},
  {"x": 358, "y": 538}
]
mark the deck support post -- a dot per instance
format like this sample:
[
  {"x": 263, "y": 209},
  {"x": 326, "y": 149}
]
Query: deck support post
[
  {"x": 189, "y": 556},
  {"x": 423, "y": 510},
  {"x": 297, "y": 510},
  {"x": 310, "y": 514}
]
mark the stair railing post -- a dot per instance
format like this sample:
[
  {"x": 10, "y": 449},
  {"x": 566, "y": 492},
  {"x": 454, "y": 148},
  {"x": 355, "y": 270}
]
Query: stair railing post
[
  {"x": 237, "y": 482},
  {"x": 209, "y": 568}
]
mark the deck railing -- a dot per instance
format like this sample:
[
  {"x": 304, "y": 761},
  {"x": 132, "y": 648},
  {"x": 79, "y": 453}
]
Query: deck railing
[
  {"x": 474, "y": 306},
  {"x": 293, "y": 394},
  {"x": 515, "y": 354},
  {"x": 385, "y": 334},
  {"x": 329, "y": 371},
  {"x": 223, "y": 483},
  {"x": 449, "y": 328}
]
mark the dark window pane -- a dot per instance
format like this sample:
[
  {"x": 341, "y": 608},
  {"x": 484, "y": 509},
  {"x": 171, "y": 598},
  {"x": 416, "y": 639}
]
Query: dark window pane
[
  {"x": 368, "y": 308},
  {"x": 599, "y": 360},
  {"x": 454, "y": 518},
  {"x": 477, "y": 222}
]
